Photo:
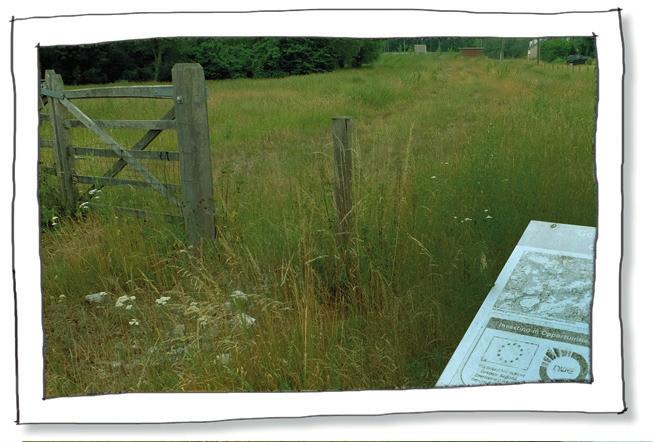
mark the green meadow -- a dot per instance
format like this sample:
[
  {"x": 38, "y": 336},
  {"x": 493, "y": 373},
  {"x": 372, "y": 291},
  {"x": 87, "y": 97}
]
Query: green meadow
[{"x": 453, "y": 157}]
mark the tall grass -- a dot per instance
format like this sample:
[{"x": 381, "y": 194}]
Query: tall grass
[{"x": 453, "y": 157}]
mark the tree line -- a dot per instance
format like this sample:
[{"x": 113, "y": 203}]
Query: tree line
[{"x": 152, "y": 59}]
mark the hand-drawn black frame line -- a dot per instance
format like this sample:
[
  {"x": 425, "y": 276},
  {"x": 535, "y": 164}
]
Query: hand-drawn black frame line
[{"x": 13, "y": 200}]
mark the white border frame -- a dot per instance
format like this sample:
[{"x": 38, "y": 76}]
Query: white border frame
[{"x": 605, "y": 394}]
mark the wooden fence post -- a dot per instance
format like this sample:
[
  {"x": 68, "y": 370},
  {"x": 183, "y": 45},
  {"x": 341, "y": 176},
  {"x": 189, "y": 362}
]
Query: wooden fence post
[
  {"x": 341, "y": 129},
  {"x": 61, "y": 141},
  {"x": 191, "y": 115}
]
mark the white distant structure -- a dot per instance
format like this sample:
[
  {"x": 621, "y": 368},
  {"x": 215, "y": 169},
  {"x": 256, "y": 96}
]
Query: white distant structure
[
  {"x": 533, "y": 49},
  {"x": 534, "y": 325},
  {"x": 420, "y": 49}
]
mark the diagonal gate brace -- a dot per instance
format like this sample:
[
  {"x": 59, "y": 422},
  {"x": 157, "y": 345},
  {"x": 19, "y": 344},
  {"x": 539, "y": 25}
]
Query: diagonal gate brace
[
  {"x": 141, "y": 144},
  {"x": 119, "y": 150}
]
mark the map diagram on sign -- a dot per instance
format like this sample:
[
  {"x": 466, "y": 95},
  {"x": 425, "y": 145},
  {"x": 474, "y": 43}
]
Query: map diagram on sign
[{"x": 549, "y": 286}]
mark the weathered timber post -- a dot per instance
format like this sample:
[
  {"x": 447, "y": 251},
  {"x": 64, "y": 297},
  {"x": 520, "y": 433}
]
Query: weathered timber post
[
  {"x": 62, "y": 155},
  {"x": 341, "y": 129},
  {"x": 192, "y": 123}
]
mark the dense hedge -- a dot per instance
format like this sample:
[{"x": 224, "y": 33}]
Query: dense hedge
[
  {"x": 152, "y": 59},
  {"x": 558, "y": 49}
]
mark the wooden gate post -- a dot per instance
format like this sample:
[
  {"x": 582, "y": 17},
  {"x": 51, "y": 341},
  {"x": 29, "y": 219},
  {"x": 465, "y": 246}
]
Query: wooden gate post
[
  {"x": 192, "y": 122},
  {"x": 341, "y": 129},
  {"x": 62, "y": 155}
]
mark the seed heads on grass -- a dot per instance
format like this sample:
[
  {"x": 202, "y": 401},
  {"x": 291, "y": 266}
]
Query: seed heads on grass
[{"x": 192, "y": 309}]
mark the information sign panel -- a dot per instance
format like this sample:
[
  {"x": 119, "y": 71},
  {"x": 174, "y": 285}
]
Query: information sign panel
[{"x": 534, "y": 325}]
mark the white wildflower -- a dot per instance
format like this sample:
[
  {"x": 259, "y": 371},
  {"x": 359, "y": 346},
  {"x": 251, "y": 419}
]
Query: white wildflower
[
  {"x": 202, "y": 320},
  {"x": 163, "y": 300},
  {"x": 62, "y": 296},
  {"x": 96, "y": 297},
  {"x": 489, "y": 217},
  {"x": 134, "y": 321},
  {"x": 486, "y": 210},
  {"x": 467, "y": 219},
  {"x": 120, "y": 302},
  {"x": 433, "y": 177},
  {"x": 129, "y": 307}
]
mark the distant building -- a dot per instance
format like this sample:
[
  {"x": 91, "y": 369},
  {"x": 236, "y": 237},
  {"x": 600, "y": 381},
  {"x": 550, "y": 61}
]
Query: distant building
[
  {"x": 472, "y": 52},
  {"x": 420, "y": 48},
  {"x": 533, "y": 49}
]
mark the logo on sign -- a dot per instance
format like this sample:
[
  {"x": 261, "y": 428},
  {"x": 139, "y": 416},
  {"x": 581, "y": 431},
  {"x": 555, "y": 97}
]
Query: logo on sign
[{"x": 563, "y": 365}]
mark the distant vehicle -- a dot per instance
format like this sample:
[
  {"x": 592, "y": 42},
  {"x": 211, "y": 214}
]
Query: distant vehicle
[{"x": 577, "y": 59}]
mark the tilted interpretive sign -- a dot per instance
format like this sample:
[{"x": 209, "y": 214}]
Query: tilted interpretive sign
[{"x": 534, "y": 324}]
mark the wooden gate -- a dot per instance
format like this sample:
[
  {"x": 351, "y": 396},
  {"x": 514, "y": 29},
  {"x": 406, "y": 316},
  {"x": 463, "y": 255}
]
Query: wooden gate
[{"x": 188, "y": 117}]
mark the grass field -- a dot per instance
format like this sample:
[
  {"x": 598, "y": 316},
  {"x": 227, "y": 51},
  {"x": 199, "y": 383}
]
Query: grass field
[{"x": 453, "y": 157}]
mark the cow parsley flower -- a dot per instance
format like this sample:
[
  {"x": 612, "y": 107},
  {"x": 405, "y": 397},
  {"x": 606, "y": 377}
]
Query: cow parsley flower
[
  {"x": 124, "y": 299},
  {"x": 134, "y": 321},
  {"x": 163, "y": 300}
]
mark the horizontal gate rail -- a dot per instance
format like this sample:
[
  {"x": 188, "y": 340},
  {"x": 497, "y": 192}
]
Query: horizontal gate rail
[
  {"x": 140, "y": 145},
  {"x": 113, "y": 92},
  {"x": 141, "y": 154},
  {"x": 125, "y": 124},
  {"x": 104, "y": 181}
]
